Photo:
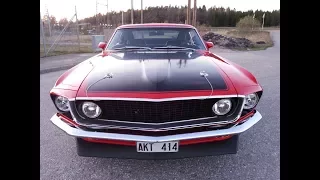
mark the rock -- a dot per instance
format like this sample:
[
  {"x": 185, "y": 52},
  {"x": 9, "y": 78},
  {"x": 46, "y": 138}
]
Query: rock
[
  {"x": 260, "y": 42},
  {"x": 227, "y": 42}
]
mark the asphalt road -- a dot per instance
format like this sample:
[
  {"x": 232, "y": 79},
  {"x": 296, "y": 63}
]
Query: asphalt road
[{"x": 259, "y": 149}]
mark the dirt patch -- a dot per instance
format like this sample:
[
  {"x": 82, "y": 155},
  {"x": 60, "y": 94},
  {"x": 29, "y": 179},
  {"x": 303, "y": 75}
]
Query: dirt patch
[
  {"x": 233, "y": 39},
  {"x": 227, "y": 42},
  {"x": 254, "y": 36}
]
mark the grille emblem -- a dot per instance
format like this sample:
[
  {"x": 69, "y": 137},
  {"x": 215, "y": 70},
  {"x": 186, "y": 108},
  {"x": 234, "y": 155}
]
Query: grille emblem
[{"x": 136, "y": 112}]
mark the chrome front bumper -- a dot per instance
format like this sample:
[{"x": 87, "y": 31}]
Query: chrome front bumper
[{"x": 76, "y": 132}]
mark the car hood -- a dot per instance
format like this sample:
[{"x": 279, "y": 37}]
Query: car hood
[{"x": 155, "y": 71}]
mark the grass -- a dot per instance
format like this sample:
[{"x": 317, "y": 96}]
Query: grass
[
  {"x": 70, "y": 38},
  {"x": 254, "y": 36},
  {"x": 66, "y": 49}
]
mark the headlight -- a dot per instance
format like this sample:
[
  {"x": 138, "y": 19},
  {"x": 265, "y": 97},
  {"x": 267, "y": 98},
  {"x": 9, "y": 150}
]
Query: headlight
[
  {"x": 62, "y": 103},
  {"x": 222, "y": 107},
  {"x": 251, "y": 100},
  {"x": 91, "y": 109}
]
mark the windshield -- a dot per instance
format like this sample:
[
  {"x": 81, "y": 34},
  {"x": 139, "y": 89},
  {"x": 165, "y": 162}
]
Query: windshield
[{"x": 156, "y": 37}]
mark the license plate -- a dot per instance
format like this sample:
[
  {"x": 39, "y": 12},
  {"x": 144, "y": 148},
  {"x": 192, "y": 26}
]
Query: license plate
[{"x": 172, "y": 146}]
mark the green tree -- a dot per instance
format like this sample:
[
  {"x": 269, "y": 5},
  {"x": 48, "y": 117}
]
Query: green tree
[
  {"x": 248, "y": 23},
  {"x": 63, "y": 21},
  {"x": 212, "y": 16}
]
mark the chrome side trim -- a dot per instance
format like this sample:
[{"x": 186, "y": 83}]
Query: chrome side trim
[
  {"x": 114, "y": 136},
  {"x": 156, "y": 100}
]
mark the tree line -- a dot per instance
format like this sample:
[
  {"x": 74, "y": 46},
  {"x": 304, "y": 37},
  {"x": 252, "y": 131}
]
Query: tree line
[{"x": 213, "y": 16}]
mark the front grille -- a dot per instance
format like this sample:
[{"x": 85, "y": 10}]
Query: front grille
[{"x": 158, "y": 112}]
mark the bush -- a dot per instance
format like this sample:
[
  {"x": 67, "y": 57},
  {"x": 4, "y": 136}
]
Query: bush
[
  {"x": 85, "y": 30},
  {"x": 248, "y": 23}
]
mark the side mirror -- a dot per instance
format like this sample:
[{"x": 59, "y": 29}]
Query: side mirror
[
  {"x": 102, "y": 45},
  {"x": 209, "y": 45}
]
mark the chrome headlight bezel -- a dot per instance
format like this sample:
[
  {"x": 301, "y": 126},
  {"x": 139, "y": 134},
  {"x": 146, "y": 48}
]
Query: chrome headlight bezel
[
  {"x": 249, "y": 98},
  {"x": 97, "y": 111},
  {"x": 215, "y": 107},
  {"x": 62, "y": 103}
]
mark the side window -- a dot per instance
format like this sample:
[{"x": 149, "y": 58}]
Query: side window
[
  {"x": 117, "y": 39},
  {"x": 195, "y": 39}
]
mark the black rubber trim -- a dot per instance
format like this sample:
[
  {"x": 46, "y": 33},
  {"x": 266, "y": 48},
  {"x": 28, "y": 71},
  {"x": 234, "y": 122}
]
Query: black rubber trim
[{"x": 88, "y": 149}]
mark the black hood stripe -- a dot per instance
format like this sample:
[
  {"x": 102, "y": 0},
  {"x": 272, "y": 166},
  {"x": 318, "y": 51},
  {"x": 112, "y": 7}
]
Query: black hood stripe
[{"x": 154, "y": 72}]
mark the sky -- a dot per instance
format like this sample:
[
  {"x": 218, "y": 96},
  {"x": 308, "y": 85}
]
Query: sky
[{"x": 87, "y": 8}]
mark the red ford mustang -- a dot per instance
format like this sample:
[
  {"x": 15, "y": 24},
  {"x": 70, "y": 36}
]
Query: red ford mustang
[{"x": 156, "y": 92}]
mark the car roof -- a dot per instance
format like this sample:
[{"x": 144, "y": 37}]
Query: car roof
[{"x": 148, "y": 25}]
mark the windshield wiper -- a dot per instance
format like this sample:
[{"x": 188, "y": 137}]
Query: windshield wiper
[
  {"x": 132, "y": 48},
  {"x": 174, "y": 47}
]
